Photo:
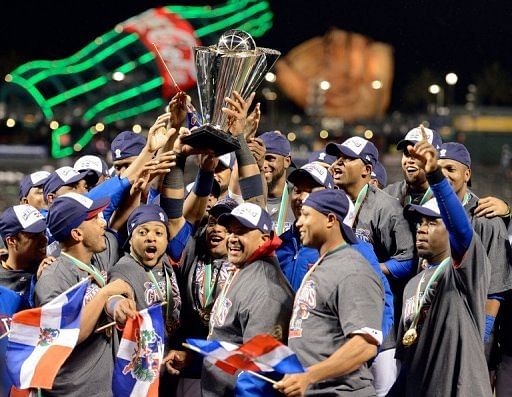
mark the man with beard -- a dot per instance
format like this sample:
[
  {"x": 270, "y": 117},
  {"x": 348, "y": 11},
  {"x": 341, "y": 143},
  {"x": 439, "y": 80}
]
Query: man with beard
[
  {"x": 443, "y": 316},
  {"x": 256, "y": 298},
  {"x": 335, "y": 327},
  {"x": 76, "y": 222},
  {"x": 22, "y": 228},
  {"x": 413, "y": 189},
  {"x": 277, "y": 161},
  {"x": 455, "y": 162}
]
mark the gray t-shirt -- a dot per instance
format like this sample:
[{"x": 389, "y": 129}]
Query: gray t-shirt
[
  {"x": 145, "y": 292},
  {"x": 342, "y": 296},
  {"x": 493, "y": 233},
  {"x": 88, "y": 370},
  {"x": 258, "y": 301},
  {"x": 381, "y": 222},
  {"x": 448, "y": 357}
]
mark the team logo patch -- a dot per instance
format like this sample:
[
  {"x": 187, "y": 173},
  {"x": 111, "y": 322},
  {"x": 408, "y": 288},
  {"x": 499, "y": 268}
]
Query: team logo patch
[
  {"x": 145, "y": 361},
  {"x": 304, "y": 302},
  {"x": 220, "y": 312},
  {"x": 118, "y": 153},
  {"x": 364, "y": 234},
  {"x": 442, "y": 152},
  {"x": 47, "y": 336}
]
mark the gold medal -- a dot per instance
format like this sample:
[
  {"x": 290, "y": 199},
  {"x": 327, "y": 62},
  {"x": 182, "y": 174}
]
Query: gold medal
[{"x": 410, "y": 337}]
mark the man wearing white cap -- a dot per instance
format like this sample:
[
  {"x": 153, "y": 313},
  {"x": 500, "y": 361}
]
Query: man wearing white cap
[
  {"x": 414, "y": 187},
  {"x": 442, "y": 324},
  {"x": 255, "y": 299}
]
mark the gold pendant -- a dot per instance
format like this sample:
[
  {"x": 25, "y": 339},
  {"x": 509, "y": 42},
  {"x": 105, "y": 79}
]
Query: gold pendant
[{"x": 410, "y": 337}]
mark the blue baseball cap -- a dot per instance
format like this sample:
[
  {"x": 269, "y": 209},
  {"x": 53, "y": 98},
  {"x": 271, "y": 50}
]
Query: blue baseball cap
[
  {"x": 69, "y": 211},
  {"x": 379, "y": 173},
  {"x": 147, "y": 213},
  {"x": 322, "y": 157},
  {"x": 355, "y": 148},
  {"x": 127, "y": 144},
  {"x": 429, "y": 209},
  {"x": 223, "y": 206},
  {"x": 313, "y": 171},
  {"x": 35, "y": 179},
  {"x": 334, "y": 201},
  {"x": 61, "y": 177},
  {"x": 21, "y": 218},
  {"x": 250, "y": 215},
  {"x": 414, "y": 136},
  {"x": 455, "y": 151},
  {"x": 276, "y": 143}
]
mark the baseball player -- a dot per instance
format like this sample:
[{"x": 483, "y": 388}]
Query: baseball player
[
  {"x": 443, "y": 316},
  {"x": 337, "y": 314},
  {"x": 256, "y": 297}
]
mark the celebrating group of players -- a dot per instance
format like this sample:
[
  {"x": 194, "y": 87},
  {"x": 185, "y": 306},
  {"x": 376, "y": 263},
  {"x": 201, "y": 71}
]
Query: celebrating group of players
[{"x": 399, "y": 290}]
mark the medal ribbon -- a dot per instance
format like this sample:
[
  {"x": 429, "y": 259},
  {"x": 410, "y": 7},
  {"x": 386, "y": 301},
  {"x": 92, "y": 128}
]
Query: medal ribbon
[
  {"x": 90, "y": 269},
  {"x": 419, "y": 303},
  {"x": 359, "y": 201},
  {"x": 223, "y": 293}
]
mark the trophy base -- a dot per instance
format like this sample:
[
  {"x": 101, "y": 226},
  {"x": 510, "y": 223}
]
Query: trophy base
[{"x": 209, "y": 137}]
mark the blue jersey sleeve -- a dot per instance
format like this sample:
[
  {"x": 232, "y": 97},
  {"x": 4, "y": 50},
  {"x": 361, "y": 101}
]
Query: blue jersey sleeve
[
  {"x": 401, "y": 269},
  {"x": 115, "y": 188},
  {"x": 176, "y": 246},
  {"x": 454, "y": 216}
]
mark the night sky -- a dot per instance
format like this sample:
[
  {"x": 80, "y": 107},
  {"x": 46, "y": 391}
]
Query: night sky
[{"x": 444, "y": 36}]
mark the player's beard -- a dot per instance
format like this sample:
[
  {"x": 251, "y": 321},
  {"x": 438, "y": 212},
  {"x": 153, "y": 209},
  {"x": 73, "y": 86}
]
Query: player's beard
[{"x": 275, "y": 179}]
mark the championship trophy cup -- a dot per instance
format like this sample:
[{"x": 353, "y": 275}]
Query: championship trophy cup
[{"x": 234, "y": 64}]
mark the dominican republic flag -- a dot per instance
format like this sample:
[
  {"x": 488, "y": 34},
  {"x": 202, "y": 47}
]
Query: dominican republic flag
[
  {"x": 141, "y": 351},
  {"x": 41, "y": 339},
  {"x": 262, "y": 353}
]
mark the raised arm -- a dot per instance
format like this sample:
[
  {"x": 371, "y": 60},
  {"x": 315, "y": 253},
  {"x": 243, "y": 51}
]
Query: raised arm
[{"x": 451, "y": 209}]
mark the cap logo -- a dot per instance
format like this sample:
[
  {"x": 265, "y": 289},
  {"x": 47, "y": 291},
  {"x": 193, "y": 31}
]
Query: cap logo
[
  {"x": 415, "y": 135},
  {"x": 161, "y": 215},
  {"x": 66, "y": 173},
  {"x": 85, "y": 201},
  {"x": 38, "y": 176},
  {"x": 251, "y": 213},
  {"x": 27, "y": 215},
  {"x": 356, "y": 144},
  {"x": 321, "y": 156},
  {"x": 442, "y": 152},
  {"x": 118, "y": 153}
]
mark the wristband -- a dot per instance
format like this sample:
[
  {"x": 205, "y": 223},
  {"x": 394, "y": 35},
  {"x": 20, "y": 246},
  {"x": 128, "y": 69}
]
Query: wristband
[
  {"x": 111, "y": 303},
  {"x": 489, "y": 325},
  {"x": 173, "y": 207},
  {"x": 203, "y": 183},
  {"x": 244, "y": 155},
  {"x": 251, "y": 186}
]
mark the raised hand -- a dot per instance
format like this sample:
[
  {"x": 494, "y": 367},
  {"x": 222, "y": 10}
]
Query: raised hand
[
  {"x": 159, "y": 134},
  {"x": 252, "y": 123},
  {"x": 178, "y": 109},
  {"x": 237, "y": 112},
  {"x": 258, "y": 150},
  {"x": 424, "y": 152}
]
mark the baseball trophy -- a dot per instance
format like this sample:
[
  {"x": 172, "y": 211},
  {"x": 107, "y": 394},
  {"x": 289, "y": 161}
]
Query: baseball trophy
[{"x": 234, "y": 64}]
